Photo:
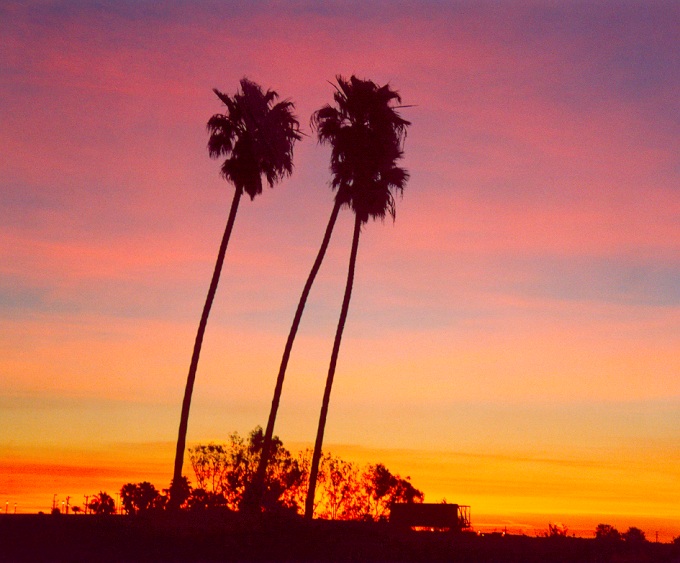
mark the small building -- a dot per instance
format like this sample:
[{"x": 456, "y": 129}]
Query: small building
[{"x": 452, "y": 517}]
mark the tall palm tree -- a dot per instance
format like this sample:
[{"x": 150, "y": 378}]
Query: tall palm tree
[
  {"x": 366, "y": 135},
  {"x": 256, "y": 137}
]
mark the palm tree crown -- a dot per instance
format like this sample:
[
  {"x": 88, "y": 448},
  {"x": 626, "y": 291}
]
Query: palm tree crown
[
  {"x": 367, "y": 136},
  {"x": 256, "y": 136}
]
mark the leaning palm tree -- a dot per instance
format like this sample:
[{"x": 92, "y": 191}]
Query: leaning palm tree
[
  {"x": 256, "y": 137},
  {"x": 366, "y": 135}
]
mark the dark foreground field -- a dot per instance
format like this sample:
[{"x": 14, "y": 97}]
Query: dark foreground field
[{"x": 196, "y": 537}]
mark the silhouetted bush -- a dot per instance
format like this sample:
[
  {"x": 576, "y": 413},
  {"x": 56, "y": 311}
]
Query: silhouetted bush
[{"x": 344, "y": 491}]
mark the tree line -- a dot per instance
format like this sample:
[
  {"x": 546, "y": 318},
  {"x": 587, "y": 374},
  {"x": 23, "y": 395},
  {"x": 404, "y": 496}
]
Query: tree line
[
  {"x": 604, "y": 533},
  {"x": 224, "y": 471},
  {"x": 345, "y": 490},
  {"x": 255, "y": 136}
]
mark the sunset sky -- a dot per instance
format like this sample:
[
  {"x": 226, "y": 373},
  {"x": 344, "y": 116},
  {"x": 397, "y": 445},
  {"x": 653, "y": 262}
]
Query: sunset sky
[{"x": 513, "y": 337}]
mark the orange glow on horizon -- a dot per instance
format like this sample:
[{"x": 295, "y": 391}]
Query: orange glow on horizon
[{"x": 520, "y": 494}]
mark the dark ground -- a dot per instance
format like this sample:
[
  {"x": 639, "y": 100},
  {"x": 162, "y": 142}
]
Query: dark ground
[{"x": 202, "y": 537}]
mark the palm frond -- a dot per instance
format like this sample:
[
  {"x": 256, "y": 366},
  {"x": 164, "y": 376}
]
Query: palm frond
[{"x": 256, "y": 135}]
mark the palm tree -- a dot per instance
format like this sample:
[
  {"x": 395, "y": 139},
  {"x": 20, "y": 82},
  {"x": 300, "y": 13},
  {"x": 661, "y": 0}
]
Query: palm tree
[
  {"x": 256, "y": 137},
  {"x": 367, "y": 136},
  {"x": 253, "y": 497},
  {"x": 102, "y": 503}
]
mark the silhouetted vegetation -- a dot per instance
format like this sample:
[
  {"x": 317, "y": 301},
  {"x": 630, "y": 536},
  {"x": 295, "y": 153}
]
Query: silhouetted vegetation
[
  {"x": 256, "y": 137},
  {"x": 607, "y": 533},
  {"x": 102, "y": 503},
  {"x": 634, "y": 536},
  {"x": 556, "y": 531},
  {"x": 140, "y": 498},
  {"x": 224, "y": 472}
]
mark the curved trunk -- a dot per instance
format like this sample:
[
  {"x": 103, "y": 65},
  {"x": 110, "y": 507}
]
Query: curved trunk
[
  {"x": 254, "y": 499},
  {"x": 316, "y": 457},
  {"x": 186, "y": 403}
]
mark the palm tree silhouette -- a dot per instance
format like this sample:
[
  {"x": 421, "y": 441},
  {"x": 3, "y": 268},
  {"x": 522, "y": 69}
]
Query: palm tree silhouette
[
  {"x": 367, "y": 136},
  {"x": 256, "y": 137}
]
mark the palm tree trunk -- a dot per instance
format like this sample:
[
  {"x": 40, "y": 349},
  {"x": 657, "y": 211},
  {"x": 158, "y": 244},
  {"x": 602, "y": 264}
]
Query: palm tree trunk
[
  {"x": 186, "y": 403},
  {"x": 254, "y": 500},
  {"x": 316, "y": 457}
]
